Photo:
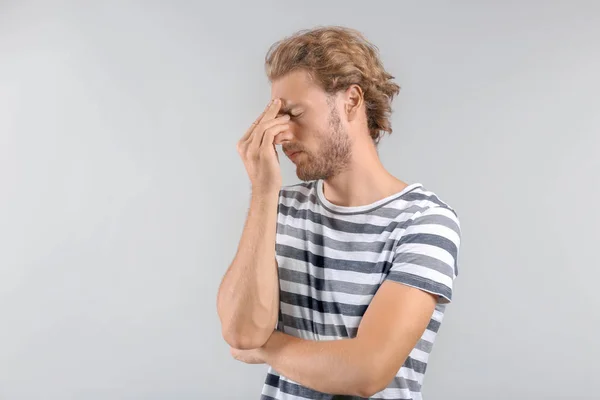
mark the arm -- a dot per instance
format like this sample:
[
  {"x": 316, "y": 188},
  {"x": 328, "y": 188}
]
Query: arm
[
  {"x": 248, "y": 298},
  {"x": 391, "y": 327}
]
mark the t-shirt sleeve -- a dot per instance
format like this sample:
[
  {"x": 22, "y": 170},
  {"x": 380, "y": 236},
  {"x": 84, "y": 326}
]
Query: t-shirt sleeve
[{"x": 426, "y": 255}]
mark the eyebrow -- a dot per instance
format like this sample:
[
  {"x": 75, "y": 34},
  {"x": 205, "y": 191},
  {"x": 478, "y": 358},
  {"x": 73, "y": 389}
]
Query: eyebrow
[{"x": 288, "y": 107}]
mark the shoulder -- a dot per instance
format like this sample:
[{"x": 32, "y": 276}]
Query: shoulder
[
  {"x": 297, "y": 193},
  {"x": 421, "y": 203}
]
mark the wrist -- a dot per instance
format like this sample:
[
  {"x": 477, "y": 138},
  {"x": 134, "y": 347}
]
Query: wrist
[
  {"x": 264, "y": 195},
  {"x": 269, "y": 350}
]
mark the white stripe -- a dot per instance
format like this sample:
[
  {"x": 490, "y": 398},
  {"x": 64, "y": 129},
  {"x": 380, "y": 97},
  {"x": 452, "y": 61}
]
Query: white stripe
[
  {"x": 322, "y": 295},
  {"x": 419, "y": 355},
  {"x": 427, "y": 250},
  {"x": 276, "y": 394},
  {"x": 424, "y": 272},
  {"x": 411, "y": 374},
  {"x": 393, "y": 393},
  {"x": 300, "y": 333},
  {"x": 429, "y": 336},
  {"x": 437, "y": 316}
]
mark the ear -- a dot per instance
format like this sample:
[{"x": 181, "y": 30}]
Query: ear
[{"x": 353, "y": 101}]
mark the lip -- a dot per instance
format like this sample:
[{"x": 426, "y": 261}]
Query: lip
[{"x": 293, "y": 154}]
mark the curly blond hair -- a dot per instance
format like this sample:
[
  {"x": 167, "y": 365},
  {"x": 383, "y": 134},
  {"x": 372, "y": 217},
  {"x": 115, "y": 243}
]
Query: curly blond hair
[{"x": 337, "y": 57}]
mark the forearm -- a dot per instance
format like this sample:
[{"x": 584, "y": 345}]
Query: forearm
[
  {"x": 248, "y": 299},
  {"x": 333, "y": 366}
]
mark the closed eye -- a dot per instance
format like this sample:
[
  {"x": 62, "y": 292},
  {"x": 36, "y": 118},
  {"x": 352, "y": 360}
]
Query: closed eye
[{"x": 292, "y": 116}]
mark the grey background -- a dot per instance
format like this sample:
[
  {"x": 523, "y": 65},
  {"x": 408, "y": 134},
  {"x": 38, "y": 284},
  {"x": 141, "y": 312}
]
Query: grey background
[{"x": 122, "y": 195}]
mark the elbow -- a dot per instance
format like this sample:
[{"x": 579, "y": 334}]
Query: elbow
[
  {"x": 373, "y": 380},
  {"x": 369, "y": 389},
  {"x": 245, "y": 339}
]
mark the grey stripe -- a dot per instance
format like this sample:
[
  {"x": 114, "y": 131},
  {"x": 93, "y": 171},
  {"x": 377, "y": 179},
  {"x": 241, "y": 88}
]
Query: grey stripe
[
  {"x": 432, "y": 240},
  {"x": 418, "y": 195},
  {"x": 299, "y": 196},
  {"x": 424, "y": 261},
  {"x": 438, "y": 220},
  {"x": 424, "y": 345},
  {"x": 403, "y": 383},
  {"x": 421, "y": 283},
  {"x": 433, "y": 326},
  {"x": 327, "y": 262},
  {"x": 326, "y": 284}
]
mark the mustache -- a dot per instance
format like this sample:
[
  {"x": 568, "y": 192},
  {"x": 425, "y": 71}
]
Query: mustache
[{"x": 291, "y": 149}]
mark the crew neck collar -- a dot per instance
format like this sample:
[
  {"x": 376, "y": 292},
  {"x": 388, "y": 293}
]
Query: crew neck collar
[{"x": 360, "y": 209}]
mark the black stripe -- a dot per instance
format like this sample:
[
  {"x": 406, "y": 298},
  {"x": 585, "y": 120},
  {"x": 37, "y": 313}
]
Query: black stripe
[
  {"x": 433, "y": 326},
  {"x": 403, "y": 383},
  {"x": 327, "y": 262},
  {"x": 339, "y": 331},
  {"x": 301, "y": 391},
  {"x": 310, "y": 303},
  {"x": 272, "y": 380},
  {"x": 415, "y": 365},
  {"x": 336, "y": 330}
]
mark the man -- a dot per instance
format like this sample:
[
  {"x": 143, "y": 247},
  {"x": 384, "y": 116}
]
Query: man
[{"x": 339, "y": 283}]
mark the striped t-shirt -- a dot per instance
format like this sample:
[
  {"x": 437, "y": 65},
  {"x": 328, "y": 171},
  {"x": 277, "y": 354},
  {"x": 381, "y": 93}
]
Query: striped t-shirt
[{"x": 332, "y": 260}]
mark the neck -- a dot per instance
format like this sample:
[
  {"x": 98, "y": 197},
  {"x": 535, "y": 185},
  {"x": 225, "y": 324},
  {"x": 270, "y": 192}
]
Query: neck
[{"x": 364, "y": 181}]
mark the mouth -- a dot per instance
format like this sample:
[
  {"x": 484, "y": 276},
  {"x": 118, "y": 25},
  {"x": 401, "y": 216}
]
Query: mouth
[{"x": 293, "y": 154}]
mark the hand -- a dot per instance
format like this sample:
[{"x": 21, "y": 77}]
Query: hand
[
  {"x": 253, "y": 356},
  {"x": 258, "y": 152}
]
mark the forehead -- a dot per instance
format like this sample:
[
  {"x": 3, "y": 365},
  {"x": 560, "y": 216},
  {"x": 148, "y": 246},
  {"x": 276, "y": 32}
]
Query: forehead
[{"x": 296, "y": 87}]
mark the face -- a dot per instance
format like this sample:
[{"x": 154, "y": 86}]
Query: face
[{"x": 318, "y": 133}]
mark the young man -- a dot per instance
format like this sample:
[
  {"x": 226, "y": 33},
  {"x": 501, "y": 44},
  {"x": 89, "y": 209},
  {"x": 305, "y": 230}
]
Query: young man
[{"x": 339, "y": 283}]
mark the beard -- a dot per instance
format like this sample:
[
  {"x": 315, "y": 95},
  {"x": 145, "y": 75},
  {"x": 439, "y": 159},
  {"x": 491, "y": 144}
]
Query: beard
[{"x": 333, "y": 156}]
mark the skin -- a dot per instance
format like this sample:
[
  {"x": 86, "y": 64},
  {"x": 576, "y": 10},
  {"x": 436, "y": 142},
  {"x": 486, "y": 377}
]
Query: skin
[{"x": 332, "y": 134}]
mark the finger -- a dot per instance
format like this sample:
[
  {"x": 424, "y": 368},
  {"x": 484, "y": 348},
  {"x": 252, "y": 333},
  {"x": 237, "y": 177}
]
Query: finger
[
  {"x": 269, "y": 136},
  {"x": 272, "y": 110},
  {"x": 283, "y": 137},
  {"x": 256, "y": 122},
  {"x": 255, "y": 139}
]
